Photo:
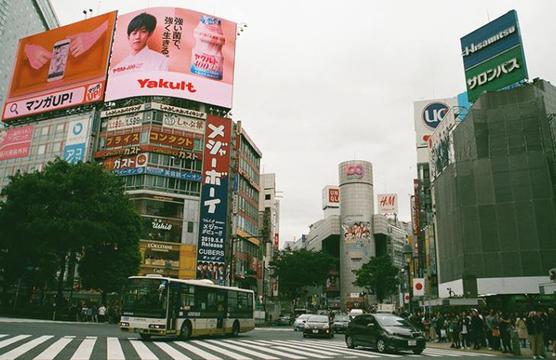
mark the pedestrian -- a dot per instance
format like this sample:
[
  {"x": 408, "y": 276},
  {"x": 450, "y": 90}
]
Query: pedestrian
[
  {"x": 521, "y": 328},
  {"x": 551, "y": 329},
  {"x": 102, "y": 313},
  {"x": 465, "y": 322},
  {"x": 439, "y": 327},
  {"x": 476, "y": 329},
  {"x": 493, "y": 331},
  {"x": 535, "y": 328},
  {"x": 506, "y": 329}
]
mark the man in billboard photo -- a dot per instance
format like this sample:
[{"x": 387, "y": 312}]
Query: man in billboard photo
[{"x": 142, "y": 58}]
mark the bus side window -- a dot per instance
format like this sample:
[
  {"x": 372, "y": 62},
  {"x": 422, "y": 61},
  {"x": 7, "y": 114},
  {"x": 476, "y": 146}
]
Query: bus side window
[
  {"x": 232, "y": 302},
  {"x": 220, "y": 301},
  {"x": 187, "y": 297}
]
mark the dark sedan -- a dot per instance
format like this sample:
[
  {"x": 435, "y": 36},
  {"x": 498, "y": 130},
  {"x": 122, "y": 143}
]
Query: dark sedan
[
  {"x": 317, "y": 325},
  {"x": 340, "y": 323},
  {"x": 384, "y": 332}
]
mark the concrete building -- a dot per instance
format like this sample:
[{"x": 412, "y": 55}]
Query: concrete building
[
  {"x": 357, "y": 243},
  {"x": 496, "y": 202},
  {"x": 19, "y": 19}
]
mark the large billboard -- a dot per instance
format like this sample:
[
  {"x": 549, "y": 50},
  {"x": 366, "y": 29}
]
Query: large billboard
[
  {"x": 167, "y": 51},
  {"x": 60, "y": 68},
  {"x": 427, "y": 115},
  {"x": 493, "y": 56},
  {"x": 214, "y": 196},
  {"x": 387, "y": 204},
  {"x": 331, "y": 197}
]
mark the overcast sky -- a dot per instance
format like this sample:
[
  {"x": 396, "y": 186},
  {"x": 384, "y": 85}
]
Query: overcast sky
[{"x": 321, "y": 82}]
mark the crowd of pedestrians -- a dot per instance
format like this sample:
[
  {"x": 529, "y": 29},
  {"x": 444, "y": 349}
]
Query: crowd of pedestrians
[
  {"x": 495, "y": 330},
  {"x": 92, "y": 312}
]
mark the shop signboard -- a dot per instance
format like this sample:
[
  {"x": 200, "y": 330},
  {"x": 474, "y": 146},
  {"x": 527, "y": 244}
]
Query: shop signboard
[
  {"x": 75, "y": 148},
  {"x": 214, "y": 192},
  {"x": 493, "y": 56},
  {"x": 15, "y": 142}
]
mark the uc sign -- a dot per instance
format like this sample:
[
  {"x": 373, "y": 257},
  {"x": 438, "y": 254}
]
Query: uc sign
[{"x": 434, "y": 113}]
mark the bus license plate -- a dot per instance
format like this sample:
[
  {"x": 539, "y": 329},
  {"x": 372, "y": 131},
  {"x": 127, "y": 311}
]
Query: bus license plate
[
  {"x": 412, "y": 343},
  {"x": 315, "y": 331}
]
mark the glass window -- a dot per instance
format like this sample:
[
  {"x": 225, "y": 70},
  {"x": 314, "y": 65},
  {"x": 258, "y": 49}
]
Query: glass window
[{"x": 42, "y": 149}]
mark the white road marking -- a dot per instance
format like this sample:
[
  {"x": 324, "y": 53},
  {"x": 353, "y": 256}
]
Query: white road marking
[
  {"x": 22, "y": 349},
  {"x": 195, "y": 350},
  {"x": 175, "y": 354},
  {"x": 54, "y": 349},
  {"x": 142, "y": 350},
  {"x": 85, "y": 350},
  {"x": 221, "y": 351},
  {"x": 246, "y": 351},
  {"x": 114, "y": 349},
  {"x": 10, "y": 341},
  {"x": 266, "y": 349}
]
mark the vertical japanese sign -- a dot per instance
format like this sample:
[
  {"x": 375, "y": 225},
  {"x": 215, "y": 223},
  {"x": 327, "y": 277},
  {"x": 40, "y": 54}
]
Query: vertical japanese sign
[
  {"x": 214, "y": 200},
  {"x": 15, "y": 142},
  {"x": 493, "y": 56},
  {"x": 76, "y": 141}
]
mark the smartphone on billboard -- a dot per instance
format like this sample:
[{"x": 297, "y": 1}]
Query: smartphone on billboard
[{"x": 59, "y": 60}]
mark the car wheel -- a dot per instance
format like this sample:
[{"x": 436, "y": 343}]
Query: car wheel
[
  {"x": 304, "y": 335},
  {"x": 349, "y": 342},
  {"x": 381, "y": 345},
  {"x": 417, "y": 351}
]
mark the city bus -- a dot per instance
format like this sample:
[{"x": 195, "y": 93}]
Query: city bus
[{"x": 157, "y": 305}]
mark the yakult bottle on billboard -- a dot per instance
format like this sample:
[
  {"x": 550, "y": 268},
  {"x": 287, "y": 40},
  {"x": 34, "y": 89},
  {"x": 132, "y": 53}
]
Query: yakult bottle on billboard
[{"x": 206, "y": 57}]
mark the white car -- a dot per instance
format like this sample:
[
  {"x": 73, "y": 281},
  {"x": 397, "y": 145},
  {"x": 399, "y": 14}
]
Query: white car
[{"x": 299, "y": 323}]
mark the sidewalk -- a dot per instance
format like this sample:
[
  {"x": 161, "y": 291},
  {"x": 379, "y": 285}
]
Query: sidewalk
[{"x": 525, "y": 352}]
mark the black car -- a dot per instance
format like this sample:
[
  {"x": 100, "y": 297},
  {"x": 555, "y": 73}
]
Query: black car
[
  {"x": 340, "y": 323},
  {"x": 385, "y": 332},
  {"x": 317, "y": 325}
]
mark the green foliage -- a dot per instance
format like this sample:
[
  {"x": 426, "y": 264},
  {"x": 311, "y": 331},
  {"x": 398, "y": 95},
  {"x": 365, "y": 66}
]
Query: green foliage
[
  {"x": 68, "y": 209},
  {"x": 296, "y": 269},
  {"x": 378, "y": 276}
]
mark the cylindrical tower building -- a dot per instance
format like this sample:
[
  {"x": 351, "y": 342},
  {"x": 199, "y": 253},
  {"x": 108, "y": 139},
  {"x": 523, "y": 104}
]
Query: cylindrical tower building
[{"x": 356, "y": 210}]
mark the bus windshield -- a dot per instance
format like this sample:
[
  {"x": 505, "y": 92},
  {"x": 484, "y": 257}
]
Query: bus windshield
[{"x": 146, "y": 298}]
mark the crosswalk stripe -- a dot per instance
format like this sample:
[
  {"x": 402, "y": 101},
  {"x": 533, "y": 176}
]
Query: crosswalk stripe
[
  {"x": 340, "y": 350},
  {"x": 195, "y": 350},
  {"x": 175, "y": 354},
  {"x": 266, "y": 349},
  {"x": 3, "y": 335},
  {"x": 85, "y": 350},
  {"x": 444, "y": 352},
  {"x": 10, "y": 341},
  {"x": 54, "y": 349},
  {"x": 311, "y": 355},
  {"x": 231, "y": 354},
  {"x": 246, "y": 351},
  {"x": 293, "y": 348},
  {"x": 142, "y": 350},
  {"x": 114, "y": 349},
  {"x": 22, "y": 349}
]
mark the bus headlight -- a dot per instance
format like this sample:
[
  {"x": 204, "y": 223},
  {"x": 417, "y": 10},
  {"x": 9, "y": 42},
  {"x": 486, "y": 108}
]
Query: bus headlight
[
  {"x": 124, "y": 324},
  {"x": 157, "y": 326}
]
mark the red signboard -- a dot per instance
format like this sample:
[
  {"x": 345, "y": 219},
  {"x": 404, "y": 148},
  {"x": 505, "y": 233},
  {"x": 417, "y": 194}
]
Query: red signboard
[
  {"x": 167, "y": 138},
  {"x": 15, "y": 142},
  {"x": 122, "y": 140}
]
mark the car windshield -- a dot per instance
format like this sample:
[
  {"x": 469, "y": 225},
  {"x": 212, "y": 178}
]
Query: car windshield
[
  {"x": 341, "y": 318},
  {"x": 389, "y": 320},
  {"x": 318, "y": 319},
  {"x": 303, "y": 317}
]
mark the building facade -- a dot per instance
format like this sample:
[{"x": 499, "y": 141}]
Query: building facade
[{"x": 496, "y": 204}]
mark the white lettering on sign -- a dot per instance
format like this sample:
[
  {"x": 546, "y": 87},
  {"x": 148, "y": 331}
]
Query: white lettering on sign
[
  {"x": 470, "y": 49},
  {"x": 492, "y": 74},
  {"x": 159, "y": 225}
]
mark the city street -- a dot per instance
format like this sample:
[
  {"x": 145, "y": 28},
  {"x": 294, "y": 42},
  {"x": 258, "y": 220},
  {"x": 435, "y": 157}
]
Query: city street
[{"x": 47, "y": 340}]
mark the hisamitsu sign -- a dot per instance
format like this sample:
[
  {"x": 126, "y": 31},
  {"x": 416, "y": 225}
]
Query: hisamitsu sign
[{"x": 493, "y": 56}]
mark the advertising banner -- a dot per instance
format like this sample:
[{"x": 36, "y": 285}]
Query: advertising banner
[
  {"x": 427, "y": 115},
  {"x": 214, "y": 192},
  {"x": 387, "y": 204},
  {"x": 331, "y": 197},
  {"x": 418, "y": 287},
  {"x": 124, "y": 162},
  {"x": 59, "y": 68},
  {"x": 126, "y": 121},
  {"x": 75, "y": 148},
  {"x": 493, "y": 56},
  {"x": 181, "y": 175},
  {"x": 15, "y": 142},
  {"x": 167, "y": 51},
  {"x": 122, "y": 140},
  {"x": 168, "y": 138},
  {"x": 183, "y": 123}
]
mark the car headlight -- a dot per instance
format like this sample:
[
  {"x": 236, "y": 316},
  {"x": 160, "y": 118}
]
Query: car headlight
[{"x": 326, "y": 327}]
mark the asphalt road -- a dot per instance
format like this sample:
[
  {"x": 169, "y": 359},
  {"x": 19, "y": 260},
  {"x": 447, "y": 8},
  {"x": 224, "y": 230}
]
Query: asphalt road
[{"x": 47, "y": 340}]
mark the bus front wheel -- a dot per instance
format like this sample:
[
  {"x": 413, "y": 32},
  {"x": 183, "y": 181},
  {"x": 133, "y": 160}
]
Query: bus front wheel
[
  {"x": 235, "y": 329},
  {"x": 185, "y": 332}
]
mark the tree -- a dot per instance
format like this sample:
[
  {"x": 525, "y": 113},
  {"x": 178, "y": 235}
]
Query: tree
[
  {"x": 378, "y": 276},
  {"x": 296, "y": 269},
  {"x": 64, "y": 210}
]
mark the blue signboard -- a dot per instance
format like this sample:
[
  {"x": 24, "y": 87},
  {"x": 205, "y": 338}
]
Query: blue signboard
[
  {"x": 159, "y": 172},
  {"x": 490, "y": 40},
  {"x": 74, "y": 153}
]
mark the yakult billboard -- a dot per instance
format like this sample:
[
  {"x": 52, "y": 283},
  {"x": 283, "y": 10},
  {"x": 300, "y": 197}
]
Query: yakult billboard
[
  {"x": 60, "y": 68},
  {"x": 174, "y": 52}
]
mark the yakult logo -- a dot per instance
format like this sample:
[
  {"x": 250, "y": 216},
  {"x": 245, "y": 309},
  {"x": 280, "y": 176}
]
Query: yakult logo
[
  {"x": 434, "y": 113},
  {"x": 354, "y": 171}
]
